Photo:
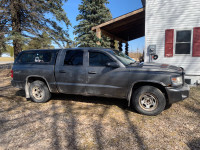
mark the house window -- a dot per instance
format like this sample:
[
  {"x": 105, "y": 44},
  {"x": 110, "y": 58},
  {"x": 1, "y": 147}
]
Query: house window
[{"x": 183, "y": 42}]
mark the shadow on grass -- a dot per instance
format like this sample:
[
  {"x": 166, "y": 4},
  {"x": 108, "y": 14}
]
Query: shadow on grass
[
  {"x": 122, "y": 103},
  {"x": 20, "y": 93},
  {"x": 192, "y": 109},
  {"x": 108, "y": 102},
  {"x": 194, "y": 100},
  {"x": 29, "y": 113},
  {"x": 194, "y": 144}
]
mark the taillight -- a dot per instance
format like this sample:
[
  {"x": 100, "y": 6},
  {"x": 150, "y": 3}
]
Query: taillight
[{"x": 11, "y": 73}]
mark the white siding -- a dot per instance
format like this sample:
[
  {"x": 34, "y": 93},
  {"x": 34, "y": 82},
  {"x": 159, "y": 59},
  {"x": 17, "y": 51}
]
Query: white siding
[{"x": 171, "y": 14}]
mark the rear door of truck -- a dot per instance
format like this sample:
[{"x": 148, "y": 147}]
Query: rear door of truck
[{"x": 70, "y": 71}]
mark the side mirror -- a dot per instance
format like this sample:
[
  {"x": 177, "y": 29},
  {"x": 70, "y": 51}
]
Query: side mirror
[{"x": 112, "y": 64}]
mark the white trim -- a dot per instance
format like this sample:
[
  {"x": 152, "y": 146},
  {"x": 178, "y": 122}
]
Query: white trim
[{"x": 174, "y": 45}]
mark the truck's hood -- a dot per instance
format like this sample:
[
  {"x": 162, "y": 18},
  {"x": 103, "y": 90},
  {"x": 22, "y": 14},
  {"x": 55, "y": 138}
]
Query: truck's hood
[{"x": 159, "y": 67}]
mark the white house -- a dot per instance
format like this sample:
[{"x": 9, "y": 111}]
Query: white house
[{"x": 173, "y": 26}]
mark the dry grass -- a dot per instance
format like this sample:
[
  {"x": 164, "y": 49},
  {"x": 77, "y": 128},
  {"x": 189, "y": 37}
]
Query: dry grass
[
  {"x": 135, "y": 56},
  {"x": 6, "y": 58},
  {"x": 77, "y": 122}
]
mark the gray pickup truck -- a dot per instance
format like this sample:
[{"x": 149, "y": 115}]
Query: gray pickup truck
[{"x": 99, "y": 72}]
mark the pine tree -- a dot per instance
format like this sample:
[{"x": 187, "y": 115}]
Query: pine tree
[
  {"x": 92, "y": 13},
  {"x": 71, "y": 44},
  {"x": 41, "y": 42},
  {"x": 28, "y": 19},
  {"x": 2, "y": 44},
  {"x": 10, "y": 50},
  {"x": 2, "y": 36}
]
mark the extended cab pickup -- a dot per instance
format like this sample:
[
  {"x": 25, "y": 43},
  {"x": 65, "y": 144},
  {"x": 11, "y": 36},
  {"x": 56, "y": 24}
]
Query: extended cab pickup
[{"x": 99, "y": 72}]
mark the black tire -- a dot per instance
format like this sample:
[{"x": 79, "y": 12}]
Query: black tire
[
  {"x": 39, "y": 92},
  {"x": 148, "y": 100}
]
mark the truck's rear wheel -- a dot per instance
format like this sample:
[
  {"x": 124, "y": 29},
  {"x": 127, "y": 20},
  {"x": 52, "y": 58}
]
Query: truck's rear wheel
[
  {"x": 148, "y": 100},
  {"x": 39, "y": 92}
]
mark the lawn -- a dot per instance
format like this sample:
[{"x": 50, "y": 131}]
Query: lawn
[
  {"x": 77, "y": 122},
  {"x": 6, "y": 59}
]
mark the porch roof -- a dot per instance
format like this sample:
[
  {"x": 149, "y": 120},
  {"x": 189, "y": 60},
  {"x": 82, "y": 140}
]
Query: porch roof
[{"x": 124, "y": 28}]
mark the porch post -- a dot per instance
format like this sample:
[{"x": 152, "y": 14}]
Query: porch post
[
  {"x": 98, "y": 34},
  {"x": 120, "y": 46},
  {"x": 126, "y": 48},
  {"x": 112, "y": 43}
]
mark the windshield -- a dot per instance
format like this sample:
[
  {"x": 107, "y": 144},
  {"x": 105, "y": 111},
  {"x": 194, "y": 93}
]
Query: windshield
[{"x": 126, "y": 60}]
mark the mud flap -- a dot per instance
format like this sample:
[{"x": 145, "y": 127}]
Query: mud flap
[{"x": 27, "y": 90}]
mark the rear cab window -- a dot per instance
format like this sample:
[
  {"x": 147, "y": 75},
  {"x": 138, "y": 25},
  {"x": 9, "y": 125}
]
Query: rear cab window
[{"x": 36, "y": 57}]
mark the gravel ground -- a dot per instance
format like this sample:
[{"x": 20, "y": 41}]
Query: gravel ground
[{"x": 77, "y": 122}]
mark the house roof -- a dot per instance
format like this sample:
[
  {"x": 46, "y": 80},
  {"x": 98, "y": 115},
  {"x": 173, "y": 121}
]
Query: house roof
[
  {"x": 143, "y": 2},
  {"x": 126, "y": 27}
]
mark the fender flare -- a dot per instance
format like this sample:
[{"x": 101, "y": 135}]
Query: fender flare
[
  {"x": 129, "y": 94},
  {"x": 27, "y": 84}
]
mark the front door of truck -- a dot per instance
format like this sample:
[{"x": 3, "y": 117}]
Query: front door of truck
[
  {"x": 103, "y": 80},
  {"x": 70, "y": 72}
]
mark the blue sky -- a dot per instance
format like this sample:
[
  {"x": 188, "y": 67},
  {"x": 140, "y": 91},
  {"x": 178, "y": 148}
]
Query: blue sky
[{"x": 117, "y": 8}]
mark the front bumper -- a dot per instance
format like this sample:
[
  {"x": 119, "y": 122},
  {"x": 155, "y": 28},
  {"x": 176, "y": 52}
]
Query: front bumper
[{"x": 177, "y": 94}]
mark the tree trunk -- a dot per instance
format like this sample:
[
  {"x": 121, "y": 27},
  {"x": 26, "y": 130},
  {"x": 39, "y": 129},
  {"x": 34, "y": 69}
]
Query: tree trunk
[
  {"x": 17, "y": 47},
  {"x": 16, "y": 26}
]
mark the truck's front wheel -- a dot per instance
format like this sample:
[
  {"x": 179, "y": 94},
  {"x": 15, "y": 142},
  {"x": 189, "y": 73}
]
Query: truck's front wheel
[
  {"x": 148, "y": 100},
  {"x": 39, "y": 92}
]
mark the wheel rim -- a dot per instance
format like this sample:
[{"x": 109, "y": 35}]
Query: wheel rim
[
  {"x": 37, "y": 92},
  {"x": 148, "y": 101}
]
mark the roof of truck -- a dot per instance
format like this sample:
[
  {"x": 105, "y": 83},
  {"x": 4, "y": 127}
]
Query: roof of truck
[
  {"x": 30, "y": 50},
  {"x": 78, "y": 48}
]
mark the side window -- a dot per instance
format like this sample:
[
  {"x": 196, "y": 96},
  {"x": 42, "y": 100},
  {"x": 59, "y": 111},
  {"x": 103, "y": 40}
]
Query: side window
[
  {"x": 74, "y": 58},
  {"x": 183, "y": 42},
  {"x": 98, "y": 59},
  {"x": 35, "y": 57}
]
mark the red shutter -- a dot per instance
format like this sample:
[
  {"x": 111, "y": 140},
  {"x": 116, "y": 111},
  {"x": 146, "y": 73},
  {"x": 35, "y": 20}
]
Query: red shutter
[
  {"x": 196, "y": 42},
  {"x": 169, "y": 42}
]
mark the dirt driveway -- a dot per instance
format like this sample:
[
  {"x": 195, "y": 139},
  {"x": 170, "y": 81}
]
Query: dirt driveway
[{"x": 76, "y": 122}]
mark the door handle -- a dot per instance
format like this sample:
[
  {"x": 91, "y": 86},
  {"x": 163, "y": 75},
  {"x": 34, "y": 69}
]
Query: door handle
[
  {"x": 62, "y": 71},
  {"x": 92, "y": 72}
]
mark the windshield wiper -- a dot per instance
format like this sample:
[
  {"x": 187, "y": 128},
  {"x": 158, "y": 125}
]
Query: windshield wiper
[{"x": 133, "y": 63}]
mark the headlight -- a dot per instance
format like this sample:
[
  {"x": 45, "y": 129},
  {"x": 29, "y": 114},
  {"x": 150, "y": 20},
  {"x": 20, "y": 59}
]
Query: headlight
[{"x": 176, "y": 81}]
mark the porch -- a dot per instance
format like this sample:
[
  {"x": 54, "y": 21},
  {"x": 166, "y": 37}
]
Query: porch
[{"x": 123, "y": 29}]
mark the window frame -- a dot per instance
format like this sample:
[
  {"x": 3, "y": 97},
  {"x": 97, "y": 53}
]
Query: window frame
[
  {"x": 102, "y": 52},
  {"x": 191, "y": 42}
]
